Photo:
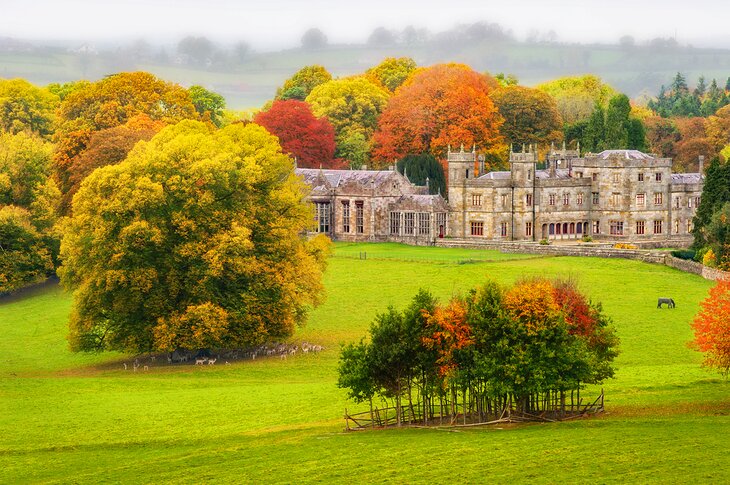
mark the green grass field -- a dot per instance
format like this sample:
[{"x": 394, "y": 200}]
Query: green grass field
[{"x": 81, "y": 418}]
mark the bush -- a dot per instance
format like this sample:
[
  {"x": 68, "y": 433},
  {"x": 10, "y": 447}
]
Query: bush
[
  {"x": 625, "y": 246},
  {"x": 684, "y": 254},
  {"x": 586, "y": 239},
  {"x": 544, "y": 242}
]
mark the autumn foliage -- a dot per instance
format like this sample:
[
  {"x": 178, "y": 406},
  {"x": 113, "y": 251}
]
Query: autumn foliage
[
  {"x": 711, "y": 328},
  {"x": 437, "y": 106},
  {"x": 449, "y": 333},
  {"x": 311, "y": 140}
]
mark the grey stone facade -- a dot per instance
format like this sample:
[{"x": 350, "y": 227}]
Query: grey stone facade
[
  {"x": 615, "y": 195},
  {"x": 618, "y": 195},
  {"x": 374, "y": 205}
]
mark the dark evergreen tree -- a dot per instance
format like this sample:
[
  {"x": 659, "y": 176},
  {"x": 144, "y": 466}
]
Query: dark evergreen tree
[
  {"x": 418, "y": 168},
  {"x": 595, "y": 131},
  {"x": 715, "y": 193},
  {"x": 616, "y": 133},
  {"x": 636, "y": 135}
]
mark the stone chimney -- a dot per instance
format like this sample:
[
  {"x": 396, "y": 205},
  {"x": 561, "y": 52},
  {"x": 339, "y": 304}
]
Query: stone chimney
[
  {"x": 701, "y": 163},
  {"x": 552, "y": 163}
]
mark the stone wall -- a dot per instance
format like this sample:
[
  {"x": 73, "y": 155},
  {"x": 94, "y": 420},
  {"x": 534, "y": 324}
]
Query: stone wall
[
  {"x": 590, "y": 250},
  {"x": 696, "y": 268}
]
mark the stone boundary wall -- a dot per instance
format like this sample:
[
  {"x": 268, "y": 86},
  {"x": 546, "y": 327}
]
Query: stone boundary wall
[
  {"x": 591, "y": 250},
  {"x": 696, "y": 268}
]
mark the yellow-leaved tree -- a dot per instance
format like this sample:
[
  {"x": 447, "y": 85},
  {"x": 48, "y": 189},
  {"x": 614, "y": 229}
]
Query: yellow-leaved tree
[{"x": 194, "y": 241}]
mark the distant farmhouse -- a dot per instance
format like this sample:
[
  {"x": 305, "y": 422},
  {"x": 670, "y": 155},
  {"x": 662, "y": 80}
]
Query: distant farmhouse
[{"x": 616, "y": 195}]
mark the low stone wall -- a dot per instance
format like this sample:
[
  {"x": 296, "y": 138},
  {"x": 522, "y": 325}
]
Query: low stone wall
[
  {"x": 583, "y": 250},
  {"x": 696, "y": 268}
]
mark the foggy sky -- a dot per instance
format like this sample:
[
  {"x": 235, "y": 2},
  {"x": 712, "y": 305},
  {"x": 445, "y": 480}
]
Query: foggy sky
[{"x": 274, "y": 24}]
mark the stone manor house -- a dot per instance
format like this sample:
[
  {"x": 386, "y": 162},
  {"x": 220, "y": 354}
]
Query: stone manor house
[{"x": 615, "y": 195}]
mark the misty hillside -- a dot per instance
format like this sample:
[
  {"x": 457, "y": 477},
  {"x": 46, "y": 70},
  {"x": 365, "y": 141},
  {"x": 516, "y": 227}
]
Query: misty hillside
[{"x": 247, "y": 79}]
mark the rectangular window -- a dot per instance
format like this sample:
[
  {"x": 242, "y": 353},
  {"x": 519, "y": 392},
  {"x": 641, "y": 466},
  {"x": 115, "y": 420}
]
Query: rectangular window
[
  {"x": 566, "y": 199},
  {"x": 579, "y": 175},
  {"x": 640, "y": 227},
  {"x": 616, "y": 199},
  {"x": 579, "y": 198},
  {"x": 528, "y": 200},
  {"x": 551, "y": 199},
  {"x": 689, "y": 202},
  {"x": 476, "y": 200},
  {"x": 359, "y": 217},
  {"x": 528, "y": 229},
  {"x": 596, "y": 227},
  {"x": 616, "y": 177},
  {"x": 657, "y": 227},
  {"x": 503, "y": 229},
  {"x": 676, "y": 226},
  {"x": 409, "y": 223},
  {"x": 424, "y": 224},
  {"x": 323, "y": 217},
  {"x": 658, "y": 198},
  {"x": 345, "y": 216},
  {"x": 689, "y": 226},
  {"x": 658, "y": 176},
  {"x": 503, "y": 198},
  {"x": 641, "y": 176},
  {"x": 595, "y": 198},
  {"x": 616, "y": 228},
  {"x": 395, "y": 223},
  {"x": 529, "y": 175},
  {"x": 640, "y": 200},
  {"x": 697, "y": 202},
  {"x": 477, "y": 228},
  {"x": 595, "y": 176},
  {"x": 677, "y": 202},
  {"x": 441, "y": 223}
]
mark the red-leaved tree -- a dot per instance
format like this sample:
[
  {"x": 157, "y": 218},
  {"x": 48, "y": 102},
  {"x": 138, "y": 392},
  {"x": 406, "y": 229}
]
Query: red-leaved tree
[
  {"x": 308, "y": 138},
  {"x": 712, "y": 328},
  {"x": 447, "y": 104}
]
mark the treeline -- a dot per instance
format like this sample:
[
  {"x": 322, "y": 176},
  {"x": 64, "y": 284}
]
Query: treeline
[{"x": 491, "y": 348}]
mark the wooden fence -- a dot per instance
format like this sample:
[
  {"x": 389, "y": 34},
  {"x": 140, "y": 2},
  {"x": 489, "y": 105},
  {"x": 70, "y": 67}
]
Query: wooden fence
[{"x": 446, "y": 413}]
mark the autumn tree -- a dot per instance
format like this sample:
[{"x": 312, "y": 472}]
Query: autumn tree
[
  {"x": 24, "y": 106},
  {"x": 107, "y": 147},
  {"x": 711, "y": 328},
  {"x": 447, "y": 104},
  {"x": 530, "y": 115},
  {"x": 302, "y": 82},
  {"x": 392, "y": 72},
  {"x": 111, "y": 102},
  {"x": 353, "y": 106},
  {"x": 194, "y": 241},
  {"x": 577, "y": 96},
  {"x": 311, "y": 140},
  {"x": 28, "y": 207},
  {"x": 718, "y": 128}
]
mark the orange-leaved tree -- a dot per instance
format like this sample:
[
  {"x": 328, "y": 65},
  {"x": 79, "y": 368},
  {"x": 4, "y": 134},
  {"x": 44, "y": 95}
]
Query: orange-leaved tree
[
  {"x": 449, "y": 332},
  {"x": 532, "y": 302},
  {"x": 446, "y": 104},
  {"x": 711, "y": 327}
]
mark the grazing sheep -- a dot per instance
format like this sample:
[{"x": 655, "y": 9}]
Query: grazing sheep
[
  {"x": 212, "y": 361},
  {"x": 200, "y": 361}
]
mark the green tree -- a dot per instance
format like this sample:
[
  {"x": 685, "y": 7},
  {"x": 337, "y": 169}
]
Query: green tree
[
  {"x": 25, "y": 256},
  {"x": 194, "y": 241},
  {"x": 422, "y": 169},
  {"x": 617, "y": 118},
  {"x": 715, "y": 193},
  {"x": 208, "y": 104},
  {"x": 302, "y": 82},
  {"x": 26, "y": 107},
  {"x": 595, "y": 131},
  {"x": 577, "y": 96}
]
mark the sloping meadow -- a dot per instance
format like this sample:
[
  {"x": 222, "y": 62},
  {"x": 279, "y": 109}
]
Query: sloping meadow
[{"x": 84, "y": 418}]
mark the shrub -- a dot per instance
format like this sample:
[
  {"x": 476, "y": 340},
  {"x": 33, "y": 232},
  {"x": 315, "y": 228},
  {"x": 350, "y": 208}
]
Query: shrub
[
  {"x": 684, "y": 254},
  {"x": 625, "y": 246},
  {"x": 544, "y": 242},
  {"x": 587, "y": 239}
]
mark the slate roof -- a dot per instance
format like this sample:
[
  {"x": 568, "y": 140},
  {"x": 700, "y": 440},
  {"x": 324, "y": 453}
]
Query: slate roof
[
  {"x": 686, "y": 178},
  {"x": 335, "y": 178},
  {"x": 627, "y": 154},
  {"x": 560, "y": 173},
  {"x": 495, "y": 176},
  {"x": 425, "y": 200}
]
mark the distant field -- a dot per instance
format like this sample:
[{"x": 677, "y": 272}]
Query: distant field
[
  {"x": 81, "y": 418},
  {"x": 250, "y": 84}
]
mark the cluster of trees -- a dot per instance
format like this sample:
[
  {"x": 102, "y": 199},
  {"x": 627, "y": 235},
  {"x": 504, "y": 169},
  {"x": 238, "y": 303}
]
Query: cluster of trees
[
  {"x": 679, "y": 100},
  {"x": 490, "y": 347}
]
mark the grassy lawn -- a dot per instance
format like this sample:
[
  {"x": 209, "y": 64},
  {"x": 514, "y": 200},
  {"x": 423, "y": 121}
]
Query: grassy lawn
[{"x": 82, "y": 418}]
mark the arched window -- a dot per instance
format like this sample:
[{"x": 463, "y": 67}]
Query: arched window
[
  {"x": 565, "y": 228},
  {"x": 579, "y": 228},
  {"x": 552, "y": 229},
  {"x": 557, "y": 228},
  {"x": 572, "y": 227}
]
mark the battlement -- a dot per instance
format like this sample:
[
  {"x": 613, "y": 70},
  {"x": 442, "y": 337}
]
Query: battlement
[{"x": 461, "y": 156}]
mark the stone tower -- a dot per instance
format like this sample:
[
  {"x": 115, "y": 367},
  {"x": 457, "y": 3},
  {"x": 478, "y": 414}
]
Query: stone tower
[{"x": 522, "y": 177}]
